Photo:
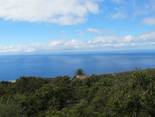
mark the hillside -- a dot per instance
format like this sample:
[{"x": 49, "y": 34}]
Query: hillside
[{"x": 129, "y": 94}]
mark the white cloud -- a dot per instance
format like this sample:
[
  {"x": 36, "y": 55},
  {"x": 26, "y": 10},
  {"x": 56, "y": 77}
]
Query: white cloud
[
  {"x": 118, "y": 15},
  {"x": 64, "y": 12},
  {"x": 133, "y": 9},
  {"x": 99, "y": 31},
  {"x": 94, "y": 30},
  {"x": 65, "y": 44},
  {"x": 144, "y": 41},
  {"x": 19, "y": 48},
  {"x": 149, "y": 21}
]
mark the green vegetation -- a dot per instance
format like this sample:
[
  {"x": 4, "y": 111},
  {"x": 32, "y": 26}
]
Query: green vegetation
[{"x": 130, "y": 94}]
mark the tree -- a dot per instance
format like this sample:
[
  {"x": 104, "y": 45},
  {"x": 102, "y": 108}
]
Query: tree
[{"x": 80, "y": 72}]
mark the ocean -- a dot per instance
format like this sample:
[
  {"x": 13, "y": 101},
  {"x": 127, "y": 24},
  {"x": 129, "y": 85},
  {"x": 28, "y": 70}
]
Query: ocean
[{"x": 13, "y": 67}]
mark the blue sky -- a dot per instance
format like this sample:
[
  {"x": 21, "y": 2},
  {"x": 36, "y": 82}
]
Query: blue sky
[{"x": 40, "y": 26}]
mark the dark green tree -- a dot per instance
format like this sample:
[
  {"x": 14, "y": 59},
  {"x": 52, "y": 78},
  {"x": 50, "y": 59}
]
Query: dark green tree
[{"x": 79, "y": 72}]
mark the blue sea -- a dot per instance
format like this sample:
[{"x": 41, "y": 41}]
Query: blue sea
[{"x": 14, "y": 66}]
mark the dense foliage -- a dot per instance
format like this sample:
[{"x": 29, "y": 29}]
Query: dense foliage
[{"x": 130, "y": 94}]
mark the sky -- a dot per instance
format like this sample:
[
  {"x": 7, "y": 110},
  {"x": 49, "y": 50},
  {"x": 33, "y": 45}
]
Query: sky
[{"x": 46, "y": 26}]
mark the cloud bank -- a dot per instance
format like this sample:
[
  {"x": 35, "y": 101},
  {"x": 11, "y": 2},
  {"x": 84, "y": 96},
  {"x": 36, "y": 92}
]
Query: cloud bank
[
  {"x": 145, "y": 40},
  {"x": 63, "y": 12},
  {"x": 70, "y": 12}
]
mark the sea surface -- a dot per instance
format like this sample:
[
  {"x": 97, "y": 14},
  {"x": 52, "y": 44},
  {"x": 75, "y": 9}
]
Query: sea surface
[{"x": 14, "y": 66}]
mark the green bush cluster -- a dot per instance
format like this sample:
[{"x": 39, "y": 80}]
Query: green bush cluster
[{"x": 130, "y": 94}]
